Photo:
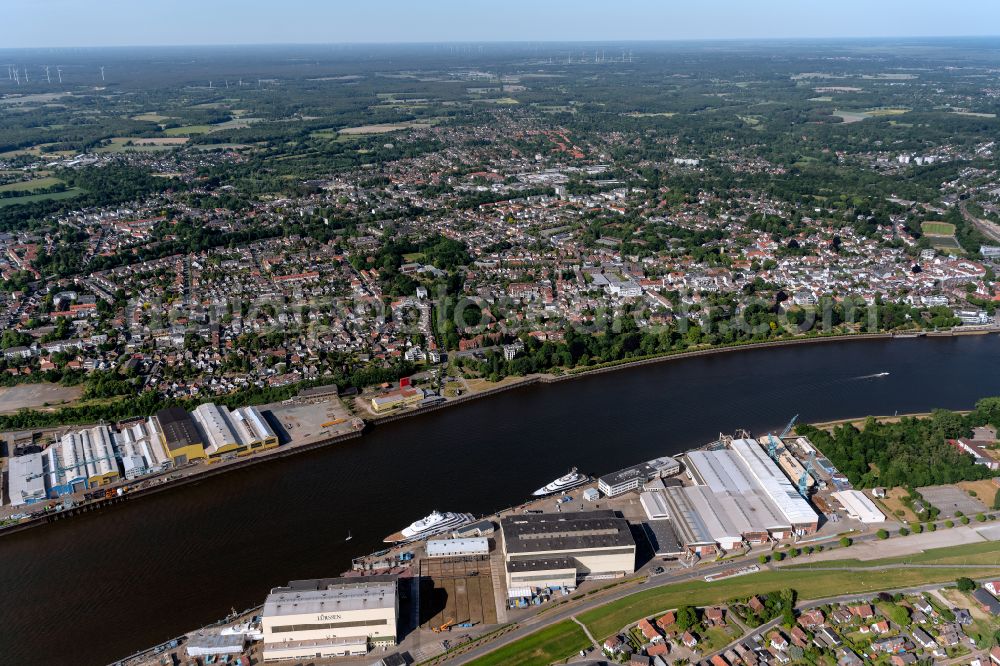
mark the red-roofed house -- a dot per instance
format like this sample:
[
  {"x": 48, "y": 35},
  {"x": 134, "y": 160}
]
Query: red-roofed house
[{"x": 649, "y": 631}]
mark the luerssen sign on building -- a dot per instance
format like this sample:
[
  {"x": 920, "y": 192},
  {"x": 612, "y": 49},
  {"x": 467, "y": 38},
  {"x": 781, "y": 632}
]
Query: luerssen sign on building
[{"x": 329, "y": 617}]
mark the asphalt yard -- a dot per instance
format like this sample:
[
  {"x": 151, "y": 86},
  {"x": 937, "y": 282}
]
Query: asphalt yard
[
  {"x": 951, "y": 499},
  {"x": 457, "y": 591}
]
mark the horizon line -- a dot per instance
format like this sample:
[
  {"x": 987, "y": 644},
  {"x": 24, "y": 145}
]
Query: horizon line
[{"x": 663, "y": 40}]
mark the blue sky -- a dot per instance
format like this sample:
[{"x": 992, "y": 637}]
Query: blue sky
[{"x": 41, "y": 23}]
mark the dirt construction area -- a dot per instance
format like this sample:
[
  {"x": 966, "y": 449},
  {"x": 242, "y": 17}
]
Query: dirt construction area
[
  {"x": 455, "y": 591},
  {"x": 302, "y": 423},
  {"x": 22, "y": 396}
]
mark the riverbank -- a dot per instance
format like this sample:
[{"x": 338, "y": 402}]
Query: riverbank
[
  {"x": 288, "y": 520},
  {"x": 193, "y": 473},
  {"x": 625, "y": 364},
  {"x": 859, "y": 422},
  {"x": 169, "y": 480}
]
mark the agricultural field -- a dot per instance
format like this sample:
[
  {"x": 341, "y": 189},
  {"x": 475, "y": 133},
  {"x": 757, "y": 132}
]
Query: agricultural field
[
  {"x": 123, "y": 144},
  {"x": 383, "y": 128},
  {"x": 187, "y": 130},
  {"x": 886, "y": 112},
  {"x": 974, "y": 114},
  {"x": 152, "y": 117},
  {"x": 30, "y": 185},
  {"x": 851, "y": 116},
  {"x": 31, "y": 198}
]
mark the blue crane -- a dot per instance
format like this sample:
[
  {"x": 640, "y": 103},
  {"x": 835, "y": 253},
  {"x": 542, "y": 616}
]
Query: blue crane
[{"x": 788, "y": 428}]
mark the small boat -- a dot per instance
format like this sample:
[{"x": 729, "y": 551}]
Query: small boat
[
  {"x": 571, "y": 480},
  {"x": 881, "y": 374},
  {"x": 349, "y": 536}
]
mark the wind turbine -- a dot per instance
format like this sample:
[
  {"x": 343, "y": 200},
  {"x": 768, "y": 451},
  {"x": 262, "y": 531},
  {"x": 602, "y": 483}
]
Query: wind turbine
[
  {"x": 48, "y": 79},
  {"x": 102, "y": 73},
  {"x": 59, "y": 72}
]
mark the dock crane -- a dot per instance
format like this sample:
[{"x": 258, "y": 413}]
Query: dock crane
[
  {"x": 772, "y": 445},
  {"x": 82, "y": 463},
  {"x": 788, "y": 428}
]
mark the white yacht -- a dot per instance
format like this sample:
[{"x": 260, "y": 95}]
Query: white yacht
[
  {"x": 571, "y": 480},
  {"x": 435, "y": 523},
  {"x": 250, "y": 629}
]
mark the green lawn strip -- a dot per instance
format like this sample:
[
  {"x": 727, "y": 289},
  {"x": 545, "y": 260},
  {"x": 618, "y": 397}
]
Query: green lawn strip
[
  {"x": 610, "y": 618},
  {"x": 31, "y": 198},
  {"x": 540, "y": 648},
  {"x": 29, "y": 185},
  {"x": 986, "y": 552}
]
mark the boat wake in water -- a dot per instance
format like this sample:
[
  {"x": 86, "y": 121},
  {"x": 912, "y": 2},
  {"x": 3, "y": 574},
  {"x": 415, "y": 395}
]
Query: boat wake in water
[{"x": 874, "y": 376}]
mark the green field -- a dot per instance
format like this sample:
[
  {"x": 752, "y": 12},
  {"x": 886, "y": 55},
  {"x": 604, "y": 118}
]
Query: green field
[
  {"x": 55, "y": 196},
  {"x": 986, "y": 552},
  {"x": 938, "y": 228},
  {"x": 610, "y": 618},
  {"x": 563, "y": 639},
  {"x": 152, "y": 117},
  {"x": 29, "y": 185},
  {"x": 887, "y": 112},
  {"x": 542, "y": 647},
  {"x": 944, "y": 243},
  {"x": 140, "y": 145},
  {"x": 187, "y": 130}
]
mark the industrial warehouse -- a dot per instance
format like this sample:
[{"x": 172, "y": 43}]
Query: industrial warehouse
[
  {"x": 554, "y": 550},
  {"x": 740, "y": 496},
  {"x": 734, "y": 496},
  {"x": 98, "y": 456},
  {"x": 330, "y": 617}
]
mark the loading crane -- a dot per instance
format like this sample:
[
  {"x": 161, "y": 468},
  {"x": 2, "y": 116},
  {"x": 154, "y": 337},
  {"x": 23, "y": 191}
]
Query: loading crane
[
  {"x": 82, "y": 463},
  {"x": 788, "y": 428}
]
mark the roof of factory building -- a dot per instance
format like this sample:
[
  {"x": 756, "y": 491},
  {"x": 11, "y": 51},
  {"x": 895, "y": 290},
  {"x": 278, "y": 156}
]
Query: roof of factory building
[
  {"x": 859, "y": 506},
  {"x": 529, "y": 533},
  {"x": 215, "y": 424},
  {"x": 541, "y": 564},
  {"x": 689, "y": 526},
  {"x": 746, "y": 503},
  {"x": 773, "y": 481},
  {"x": 177, "y": 427},
  {"x": 469, "y": 544},
  {"x": 655, "y": 505},
  {"x": 331, "y": 595}
]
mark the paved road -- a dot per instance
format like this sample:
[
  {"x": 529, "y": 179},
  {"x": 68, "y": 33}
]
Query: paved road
[{"x": 569, "y": 609}]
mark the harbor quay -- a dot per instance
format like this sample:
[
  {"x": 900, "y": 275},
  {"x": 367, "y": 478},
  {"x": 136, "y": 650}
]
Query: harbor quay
[
  {"x": 55, "y": 473},
  {"x": 450, "y": 580}
]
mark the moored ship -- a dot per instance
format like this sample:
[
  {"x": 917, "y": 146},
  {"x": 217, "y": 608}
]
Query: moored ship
[
  {"x": 571, "y": 480},
  {"x": 435, "y": 523}
]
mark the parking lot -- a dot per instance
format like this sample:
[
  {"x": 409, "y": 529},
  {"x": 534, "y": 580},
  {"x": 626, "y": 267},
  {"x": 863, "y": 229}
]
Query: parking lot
[{"x": 950, "y": 500}]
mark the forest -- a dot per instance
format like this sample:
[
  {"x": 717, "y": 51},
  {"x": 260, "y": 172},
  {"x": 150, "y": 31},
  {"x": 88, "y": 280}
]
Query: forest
[{"x": 912, "y": 452}]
